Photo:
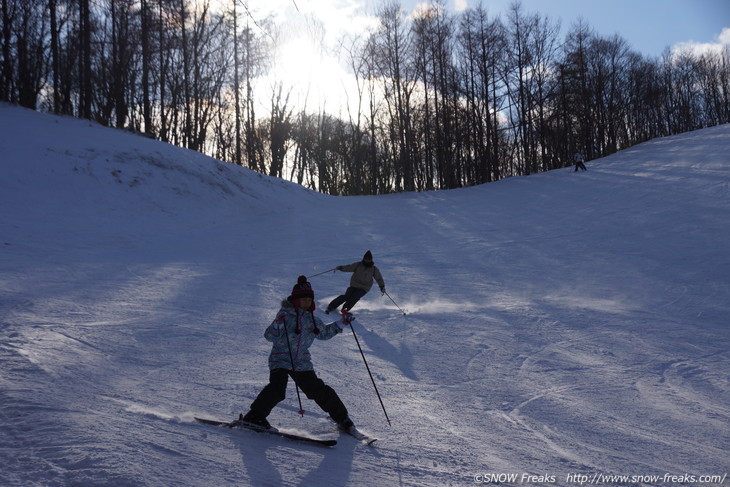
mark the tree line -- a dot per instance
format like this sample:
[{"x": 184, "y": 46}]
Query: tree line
[{"x": 443, "y": 100}]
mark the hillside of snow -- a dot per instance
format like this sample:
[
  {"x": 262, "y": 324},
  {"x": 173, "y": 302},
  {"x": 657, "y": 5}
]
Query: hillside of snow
[{"x": 561, "y": 327}]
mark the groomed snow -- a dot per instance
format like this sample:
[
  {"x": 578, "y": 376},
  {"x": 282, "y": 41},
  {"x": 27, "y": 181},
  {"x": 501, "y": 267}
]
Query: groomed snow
[{"x": 559, "y": 325}]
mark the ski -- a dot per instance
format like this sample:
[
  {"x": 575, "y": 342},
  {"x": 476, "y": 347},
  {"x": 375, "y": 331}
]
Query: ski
[
  {"x": 355, "y": 433},
  {"x": 359, "y": 435},
  {"x": 274, "y": 432}
]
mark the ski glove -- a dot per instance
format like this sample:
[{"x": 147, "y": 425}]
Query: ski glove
[
  {"x": 346, "y": 319},
  {"x": 278, "y": 324},
  {"x": 382, "y": 291}
]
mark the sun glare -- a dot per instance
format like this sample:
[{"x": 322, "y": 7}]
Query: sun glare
[
  {"x": 304, "y": 65},
  {"x": 315, "y": 76}
]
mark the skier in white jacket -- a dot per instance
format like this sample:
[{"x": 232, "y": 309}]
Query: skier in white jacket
[{"x": 363, "y": 273}]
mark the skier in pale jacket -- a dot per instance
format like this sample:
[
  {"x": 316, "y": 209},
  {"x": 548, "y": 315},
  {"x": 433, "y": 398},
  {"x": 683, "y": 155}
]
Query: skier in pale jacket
[
  {"x": 292, "y": 333},
  {"x": 363, "y": 273}
]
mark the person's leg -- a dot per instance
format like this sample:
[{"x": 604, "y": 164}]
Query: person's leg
[
  {"x": 336, "y": 302},
  {"x": 271, "y": 395},
  {"x": 353, "y": 296},
  {"x": 325, "y": 397}
]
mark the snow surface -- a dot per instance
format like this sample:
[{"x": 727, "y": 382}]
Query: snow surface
[{"x": 559, "y": 325}]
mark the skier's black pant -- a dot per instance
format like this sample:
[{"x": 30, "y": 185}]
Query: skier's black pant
[
  {"x": 312, "y": 386},
  {"x": 351, "y": 296}
]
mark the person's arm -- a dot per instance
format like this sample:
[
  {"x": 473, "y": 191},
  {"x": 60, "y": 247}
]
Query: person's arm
[
  {"x": 276, "y": 328},
  {"x": 330, "y": 330},
  {"x": 379, "y": 279},
  {"x": 348, "y": 267}
]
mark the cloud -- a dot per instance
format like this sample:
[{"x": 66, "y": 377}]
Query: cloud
[
  {"x": 722, "y": 41},
  {"x": 461, "y": 5},
  {"x": 724, "y": 36}
]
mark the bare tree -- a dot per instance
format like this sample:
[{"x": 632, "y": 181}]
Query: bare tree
[
  {"x": 280, "y": 129},
  {"x": 391, "y": 47},
  {"x": 481, "y": 44}
]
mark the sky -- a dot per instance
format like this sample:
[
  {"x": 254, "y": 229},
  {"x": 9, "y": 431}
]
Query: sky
[{"x": 648, "y": 26}]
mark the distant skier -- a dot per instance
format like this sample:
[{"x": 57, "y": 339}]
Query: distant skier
[
  {"x": 578, "y": 158},
  {"x": 292, "y": 332},
  {"x": 363, "y": 273}
]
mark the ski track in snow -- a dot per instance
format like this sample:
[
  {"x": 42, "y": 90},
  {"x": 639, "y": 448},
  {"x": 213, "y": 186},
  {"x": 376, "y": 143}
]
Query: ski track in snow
[{"x": 556, "y": 324}]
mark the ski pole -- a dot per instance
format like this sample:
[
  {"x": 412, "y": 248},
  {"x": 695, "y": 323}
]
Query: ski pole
[
  {"x": 293, "y": 369},
  {"x": 396, "y": 304},
  {"x": 368, "y": 368},
  {"x": 323, "y": 272}
]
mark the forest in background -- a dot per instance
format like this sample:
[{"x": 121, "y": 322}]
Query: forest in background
[{"x": 443, "y": 100}]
